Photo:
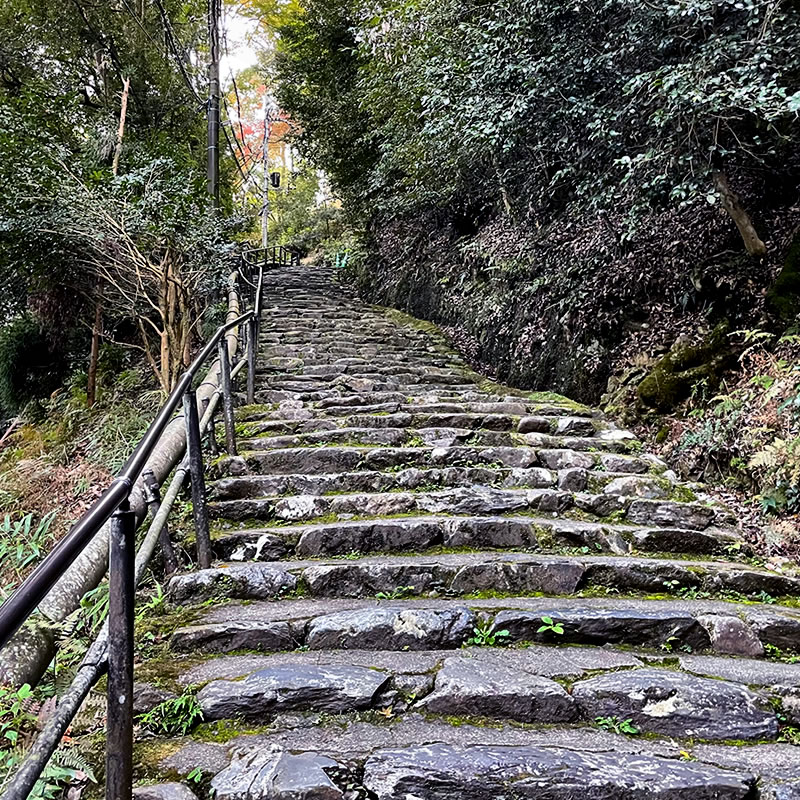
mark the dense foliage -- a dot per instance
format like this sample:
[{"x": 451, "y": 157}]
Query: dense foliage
[
  {"x": 541, "y": 103},
  {"x": 566, "y": 184},
  {"x": 600, "y": 198}
]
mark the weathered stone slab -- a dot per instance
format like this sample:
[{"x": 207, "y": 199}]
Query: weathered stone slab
[
  {"x": 267, "y": 775},
  {"x": 369, "y": 537},
  {"x": 534, "y": 425},
  {"x": 225, "y": 637},
  {"x": 250, "y": 545},
  {"x": 668, "y": 513},
  {"x": 444, "y": 772},
  {"x": 605, "y": 625},
  {"x": 298, "y": 687},
  {"x": 467, "y": 686},
  {"x": 683, "y": 540},
  {"x": 238, "y": 581},
  {"x": 552, "y": 576},
  {"x": 780, "y": 790},
  {"x": 566, "y": 459},
  {"x": 487, "y": 532},
  {"x": 676, "y": 704},
  {"x": 363, "y": 580},
  {"x": 731, "y": 636},
  {"x": 574, "y": 426},
  {"x": 146, "y": 697},
  {"x": 391, "y": 629},
  {"x": 750, "y": 671},
  {"x": 781, "y": 630},
  {"x": 573, "y": 480},
  {"x": 638, "y": 486},
  {"x": 633, "y": 575},
  {"x": 164, "y": 791}
]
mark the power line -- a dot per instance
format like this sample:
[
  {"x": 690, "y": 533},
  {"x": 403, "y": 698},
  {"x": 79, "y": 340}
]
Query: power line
[{"x": 172, "y": 46}]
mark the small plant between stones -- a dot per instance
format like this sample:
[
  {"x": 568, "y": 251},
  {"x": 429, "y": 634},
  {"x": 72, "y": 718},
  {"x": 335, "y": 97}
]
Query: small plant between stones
[
  {"x": 549, "y": 626},
  {"x": 616, "y": 725},
  {"x": 483, "y": 636}
]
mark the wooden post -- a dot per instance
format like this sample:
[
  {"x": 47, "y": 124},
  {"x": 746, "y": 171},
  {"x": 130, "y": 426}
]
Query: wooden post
[{"x": 94, "y": 355}]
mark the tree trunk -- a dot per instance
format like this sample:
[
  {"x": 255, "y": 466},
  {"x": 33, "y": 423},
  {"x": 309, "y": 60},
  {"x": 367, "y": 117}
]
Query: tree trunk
[
  {"x": 126, "y": 84},
  {"x": 730, "y": 202},
  {"x": 91, "y": 377}
]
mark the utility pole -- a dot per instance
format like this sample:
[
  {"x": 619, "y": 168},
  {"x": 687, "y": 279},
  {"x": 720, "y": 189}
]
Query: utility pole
[
  {"x": 265, "y": 159},
  {"x": 213, "y": 100}
]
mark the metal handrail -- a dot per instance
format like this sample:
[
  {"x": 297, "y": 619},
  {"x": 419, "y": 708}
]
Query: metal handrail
[{"x": 23, "y": 602}]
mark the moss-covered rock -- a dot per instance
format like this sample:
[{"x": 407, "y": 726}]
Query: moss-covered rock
[
  {"x": 674, "y": 376},
  {"x": 783, "y": 298}
]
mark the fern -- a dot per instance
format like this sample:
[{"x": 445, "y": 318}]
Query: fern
[{"x": 174, "y": 717}]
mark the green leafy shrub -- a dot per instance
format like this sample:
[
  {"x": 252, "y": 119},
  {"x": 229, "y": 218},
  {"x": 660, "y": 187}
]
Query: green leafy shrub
[{"x": 30, "y": 368}]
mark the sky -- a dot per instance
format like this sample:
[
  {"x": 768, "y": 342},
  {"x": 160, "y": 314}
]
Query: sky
[{"x": 239, "y": 31}]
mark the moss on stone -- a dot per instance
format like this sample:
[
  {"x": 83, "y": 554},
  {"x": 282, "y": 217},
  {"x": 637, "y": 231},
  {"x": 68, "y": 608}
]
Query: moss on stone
[
  {"x": 148, "y": 755},
  {"x": 683, "y": 494},
  {"x": 675, "y": 375},
  {"x": 224, "y": 730}
]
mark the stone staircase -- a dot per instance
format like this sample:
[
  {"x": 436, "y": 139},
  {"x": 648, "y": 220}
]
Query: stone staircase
[{"x": 430, "y": 586}]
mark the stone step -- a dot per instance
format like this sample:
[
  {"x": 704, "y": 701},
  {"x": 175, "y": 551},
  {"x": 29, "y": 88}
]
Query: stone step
[
  {"x": 340, "y": 458},
  {"x": 313, "y": 365},
  {"x": 256, "y": 486},
  {"x": 390, "y": 437},
  {"x": 362, "y": 395},
  {"x": 314, "y": 391},
  {"x": 476, "y": 573},
  {"x": 420, "y": 533},
  {"x": 412, "y": 479},
  {"x": 250, "y": 486},
  {"x": 333, "y": 350},
  {"x": 664, "y": 626},
  {"x": 467, "y": 410},
  {"x": 474, "y": 500},
  {"x": 656, "y": 700},
  {"x": 403, "y": 373},
  {"x": 434, "y": 759},
  {"x": 492, "y": 422}
]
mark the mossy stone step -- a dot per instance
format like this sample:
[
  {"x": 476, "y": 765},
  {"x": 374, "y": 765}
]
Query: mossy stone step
[
  {"x": 421, "y": 624},
  {"x": 419, "y": 533},
  {"x": 470, "y": 573}
]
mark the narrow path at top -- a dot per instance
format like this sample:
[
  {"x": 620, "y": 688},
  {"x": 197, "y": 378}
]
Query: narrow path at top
[{"x": 430, "y": 586}]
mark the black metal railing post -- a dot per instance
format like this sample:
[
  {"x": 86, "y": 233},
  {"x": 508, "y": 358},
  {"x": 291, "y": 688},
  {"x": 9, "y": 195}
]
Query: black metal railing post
[
  {"x": 119, "y": 741},
  {"x": 227, "y": 397},
  {"x": 152, "y": 496},
  {"x": 195, "y": 451},
  {"x": 252, "y": 348}
]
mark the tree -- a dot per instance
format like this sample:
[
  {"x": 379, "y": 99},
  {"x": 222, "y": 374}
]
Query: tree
[
  {"x": 72, "y": 184},
  {"x": 533, "y": 106},
  {"x": 158, "y": 253}
]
